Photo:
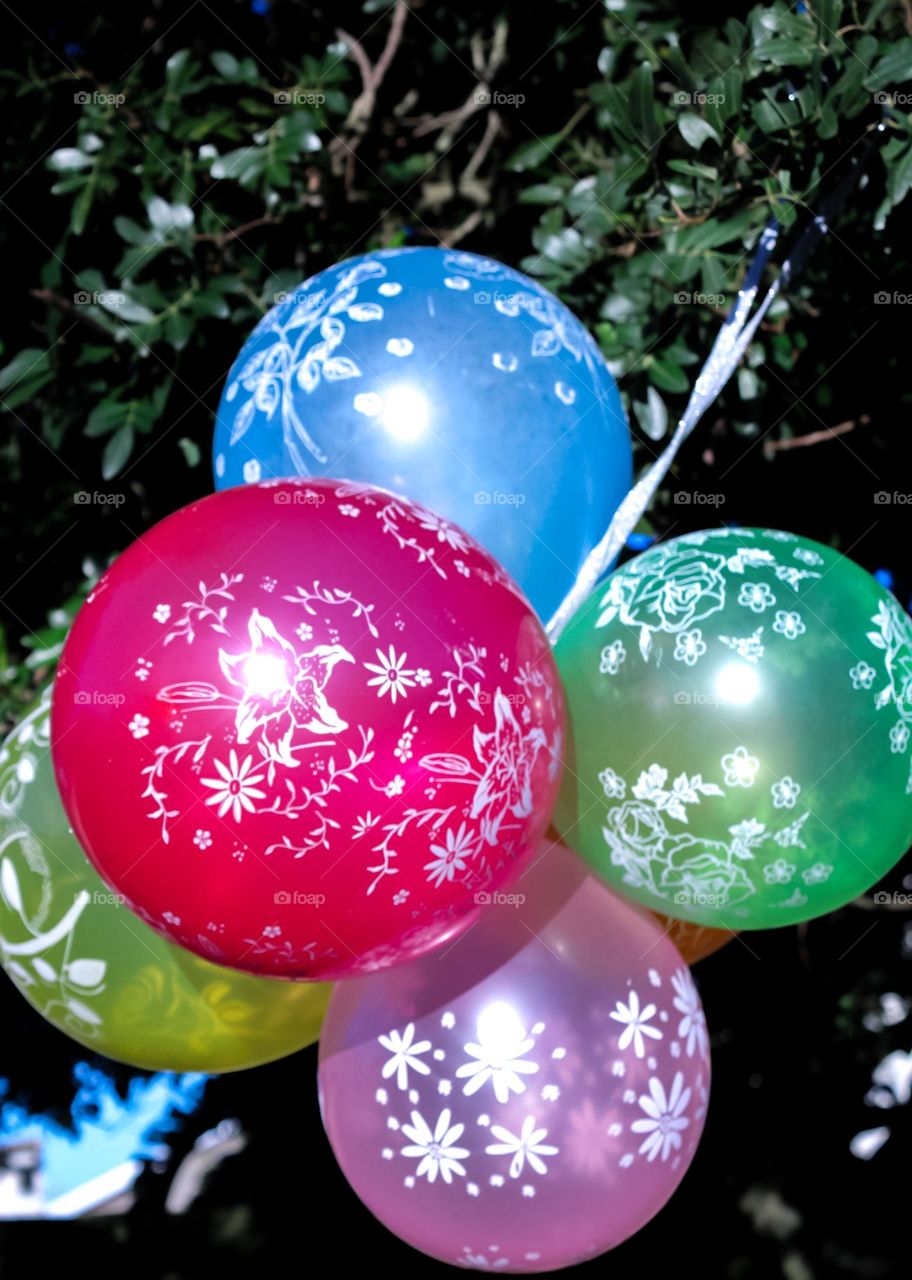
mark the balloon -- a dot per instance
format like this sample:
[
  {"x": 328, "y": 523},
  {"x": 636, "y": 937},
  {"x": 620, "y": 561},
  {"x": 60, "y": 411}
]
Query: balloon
[
  {"x": 301, "y": 726},
  {"x": 534, "y": 1096},
  {"x": 448, "y": 377},
  {"x": 694, "y": 941},
  {"x": 740, "y": 704},
  {"x": 100, "y": 975}
]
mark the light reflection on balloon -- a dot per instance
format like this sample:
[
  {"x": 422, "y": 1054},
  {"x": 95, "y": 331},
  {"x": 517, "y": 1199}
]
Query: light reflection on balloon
[
  {"x": 741, "y": 720},
  {"x": 533, "y": 1096},
  {"x": 324, "y": 751},
  {"x": 100, "y": 975},
  {"x": 447, "y": 377}
]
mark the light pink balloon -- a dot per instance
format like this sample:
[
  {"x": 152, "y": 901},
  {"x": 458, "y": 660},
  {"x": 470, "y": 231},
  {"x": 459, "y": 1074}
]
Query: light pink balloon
[{"x": 530, "y": 1097}]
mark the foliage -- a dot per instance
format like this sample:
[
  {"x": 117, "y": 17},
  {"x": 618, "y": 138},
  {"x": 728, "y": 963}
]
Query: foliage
[{"x": 627, "y": 154}]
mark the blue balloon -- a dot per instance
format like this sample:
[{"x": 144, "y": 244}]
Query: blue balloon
[{"x": 447, "y": 377}]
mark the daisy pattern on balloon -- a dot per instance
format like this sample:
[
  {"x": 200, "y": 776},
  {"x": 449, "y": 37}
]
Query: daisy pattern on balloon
[
  {"x": 636, "y": 1024},
  {"x": 450, "y": 857},
  {"x": 435, "y": 1149},
  {"x": 664, "y": 1118},
  {"x": 405, "y": 1053},
  {"x": 235, "y": 788},
  {"x": 499, "y": 1054},
  {"x": 391, "y": 675},
  {"x": 692, "y": 1027},
  {"x": 526, "y": 1146}
]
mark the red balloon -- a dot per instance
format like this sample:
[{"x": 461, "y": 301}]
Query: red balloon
[{"x": 306, "y": 728}]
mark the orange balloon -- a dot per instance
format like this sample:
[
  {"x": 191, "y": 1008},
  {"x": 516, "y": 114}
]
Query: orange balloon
[{"x": 694, "y": 941}]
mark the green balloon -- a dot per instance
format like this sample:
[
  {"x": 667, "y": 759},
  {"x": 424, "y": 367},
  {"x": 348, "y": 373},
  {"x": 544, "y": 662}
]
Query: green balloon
[
  {"x": 740, "y": 707},
  {"x": 96, "y": 971}
]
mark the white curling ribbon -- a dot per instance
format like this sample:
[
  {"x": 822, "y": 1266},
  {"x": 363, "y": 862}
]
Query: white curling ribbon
[
  {"x": 730, "y": 344},
  {"x": 727, "y": 351}
]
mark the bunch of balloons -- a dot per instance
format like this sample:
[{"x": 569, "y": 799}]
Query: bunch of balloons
[{"x": 309, "y": 728}]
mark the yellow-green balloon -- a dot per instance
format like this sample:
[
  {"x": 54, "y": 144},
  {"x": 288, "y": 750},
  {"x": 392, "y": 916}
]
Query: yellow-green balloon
[
  {"x": 97, "y": 972},
  {"x": 740, "y": 712}
]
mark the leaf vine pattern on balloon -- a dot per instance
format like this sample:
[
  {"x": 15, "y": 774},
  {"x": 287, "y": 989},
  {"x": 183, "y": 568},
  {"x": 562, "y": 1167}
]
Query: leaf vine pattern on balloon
[
  {"x": 294, "y": 743},
  {"x": 307, "y": 333},
  {"x": 516, "y": 1078},
  {"x": 43, "y": 959}
]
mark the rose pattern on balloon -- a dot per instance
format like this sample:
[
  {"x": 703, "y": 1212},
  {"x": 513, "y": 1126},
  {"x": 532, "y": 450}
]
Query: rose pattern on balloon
[
  {"x": 683, "y": 584},
  {"x": 892, "y": 635},
  {"x": 743, "y": 650},
  {"x": 680, "y": 866},
  {"x": 45, "y": 963},
  {"x": 314, "y": 725}
]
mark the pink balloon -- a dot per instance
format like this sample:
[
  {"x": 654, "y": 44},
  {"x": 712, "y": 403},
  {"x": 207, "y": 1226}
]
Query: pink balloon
[
  {"x": 301, "y": 725},
  {"x": 531, "y": 1097}
]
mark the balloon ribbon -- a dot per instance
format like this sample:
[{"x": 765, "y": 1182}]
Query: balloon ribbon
[{"x": 727, "y": 351}]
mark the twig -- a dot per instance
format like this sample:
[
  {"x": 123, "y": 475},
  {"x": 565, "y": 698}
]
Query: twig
[
  {"x": 816, "y": 437},
  {"x": 77, "y": 311},
  {"x": 221, "y": 238},
  {"x": 450, "y": 238},
  {"x": 372, "y": 74},
  {"x": 486, "y": 66}
]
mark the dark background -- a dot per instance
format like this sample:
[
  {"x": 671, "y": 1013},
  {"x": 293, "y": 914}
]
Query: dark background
[{"x": 796, "y": 1015}]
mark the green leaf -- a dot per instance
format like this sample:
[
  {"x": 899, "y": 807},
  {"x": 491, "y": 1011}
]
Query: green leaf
[
  {"x": 116, "y": 452},
  {"x": 668, "y": 376},
  {"x": 226, "y": 64},
  {"x": 191, "y": 451},
  {"x": 66, "y": 159},
  {"x": 532, "y": 153},
  {"x": 653, "y": 415},
  {"x": 695, "y": 130},
  {"x": 895, "y": 67},
  {"x": 26, "y": 365}
]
